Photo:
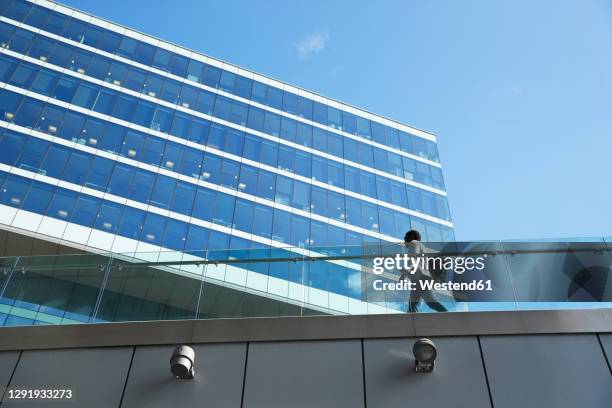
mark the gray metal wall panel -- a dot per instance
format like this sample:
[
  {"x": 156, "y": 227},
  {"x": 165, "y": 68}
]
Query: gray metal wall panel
[
  {"x": 8, "y": 359},
  {"x": 217, "y": 383},
  {"x": 95, "y": 376},
  {"x": 606, "y": 341},
  {"x": 304, "y": 374},
  {"x": 457, "y": 380},
  {"x": 561, "y": 371}
]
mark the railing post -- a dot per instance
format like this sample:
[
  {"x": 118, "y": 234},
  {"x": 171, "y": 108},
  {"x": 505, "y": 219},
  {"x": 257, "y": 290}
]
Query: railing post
[
  {"x": 8, "y": 278},
  {"x": 107, "y": 270}
]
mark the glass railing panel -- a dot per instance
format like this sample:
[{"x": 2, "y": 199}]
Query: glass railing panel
[
  {"x": 561, "y": 275},
  {"x": 138, "y": 293},
  {"x": 53, "y": 289}
]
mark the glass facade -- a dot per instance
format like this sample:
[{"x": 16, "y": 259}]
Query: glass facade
[{"x": 142, "y": 140}]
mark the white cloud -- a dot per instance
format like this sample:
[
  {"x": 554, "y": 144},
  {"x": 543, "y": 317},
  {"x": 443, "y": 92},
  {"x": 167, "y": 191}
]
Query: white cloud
[{"x": 312, "y": 44}]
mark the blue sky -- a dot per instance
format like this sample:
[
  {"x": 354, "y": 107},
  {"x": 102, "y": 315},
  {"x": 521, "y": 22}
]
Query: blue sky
[{"x": 519, "y": 93}]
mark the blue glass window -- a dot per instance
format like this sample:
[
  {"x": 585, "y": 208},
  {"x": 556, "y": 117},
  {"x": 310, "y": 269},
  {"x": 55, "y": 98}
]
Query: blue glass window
[
  {"x": 175, "y": 235},
  {"x": 162, "y": 120},
  {"x": 18, "y": 10},
  {"x": 60, "y": 55},
  {"x": 144, "y": 53},
  {"x": 302, "y": 164},
  {"x": 248, "y": 179},
  {"x": 77, "y": 168},
  {"x": 120, "y": 180},
  {"x": 93, "y": 36},
  {"x": 172, "y": 155},
  {"x": 282, "y": 220},
  {"x": 378, "y": 133},
  {"x": 62, "y": 204},
  {"x": 398, "y": 194},
  {"x": 22, "y": 40},
  {"x": 234, "y": 141},
  {"x": 335, "y": 175},
  {"x": 105, "y": 101},
  {"x": 85, "y": 95},
  {"x": 319, "y": 169},
  {"x": 304, "y": 135},
  {"x": 224, "y": 210},
  {"x": 284, "y": 188},
  {"x": 131, "y": 223},
  {"x": 85, "y": 211},
  {"x": 117, "y": 72},
  {"x": 153, "y": 229},
  {"x": 183, "y": 198},
  {"x": 269, "y": 153},
  {"x": 274, "y": 98},
  {"x": 334, "y": 144},
  {"x": 198, "y": 131},
  {"x": 189, "y": 97},
  {"x": 243, "y": 219},
  {"x": 13, "y": 191},
  {"x": 300, "y": 198},
  {"x": 161, "y": 59},
  {"x": 142, "y": 185},
  {"x": 170, "y": 92},
  {"x": 124, "y": 108},
  {"x": 99, "y": 174},
  {"x": 7, "y": 66},
  {"x": 263, "y": 226},
  {"x": 38, "y": 198},
  {"x": 32, "y": 154},
  {"x": 9, "y": 102},
  {"x": 110, "y": 42},
  {"x": 259, "y": 92},
  {"x": 93, "y": 132},
  {"x": 363, "y": 127},
  {"x": 203, "y": 204},
  {"x": 256, "y": 119},
  {"x": 288, "y": 129},
  {"x": 335, "y": 206},
  {"x": 243, "y": 86},
  {"x": 367, "y": 184},
  {"x": 23, "y": 76},
  {"x": 272, "y": 124},
  {"x": 239, "y": 113},
  {"x": 71, "y": 126},
  {"x": 212, "y": 77},
  {"x": 195, "y": 70},
  {"x": 206, "y": 102},
  {"x": 45, "y": 82},
  {"x": 228, "y": 175},
  {"x": 227, "y": 81},
  {"x": 223, "y": 107},
  {"x": 197, "y": 239},
  {"x": 163, "y": 192},
  {"x": 113, "y": 138},
  {"x": 265, "y": 185},
  {"x": 178, "y": 65},
  {"x": 305, "y": 108},
  {"x": 10, "y": 146},
  {"x": 215, "y": 136},
  {"x": 55, "y": 160},
  {"x": 29, "y": 113},
  {"x": 65, "y": 89},
  {"x": 349, "y": 123},
  {"x": 135, "y": 79},
  {"x": 143, "y": 114},
  {"x": 180, "y": 125},
  {"x": 290, "y": 103}
]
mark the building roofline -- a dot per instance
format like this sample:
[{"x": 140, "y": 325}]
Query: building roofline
[{"x": 43, "y": 4}]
